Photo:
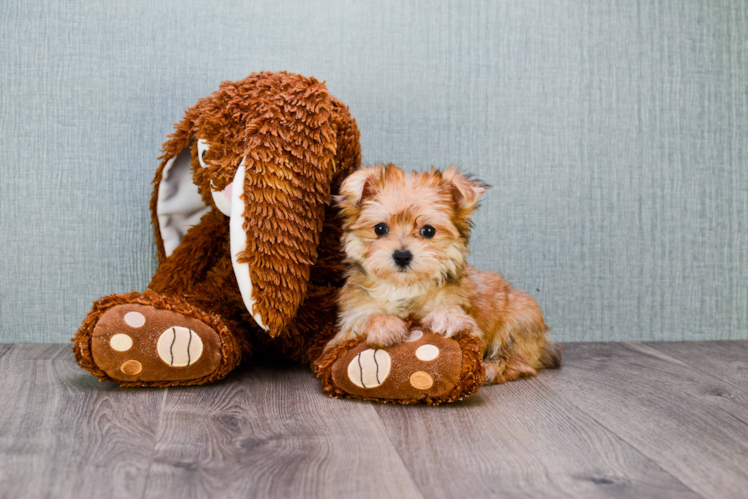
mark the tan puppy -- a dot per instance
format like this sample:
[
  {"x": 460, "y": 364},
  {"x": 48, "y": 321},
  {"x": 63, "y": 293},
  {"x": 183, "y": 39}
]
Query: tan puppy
[{"x": 406, "y": 241}]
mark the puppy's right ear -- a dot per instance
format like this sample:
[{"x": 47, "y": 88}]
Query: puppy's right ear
[{"x": 358, "y": 186}]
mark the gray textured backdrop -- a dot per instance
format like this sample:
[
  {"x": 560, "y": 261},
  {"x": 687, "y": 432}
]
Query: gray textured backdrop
[{"x": 615, "y": 134}]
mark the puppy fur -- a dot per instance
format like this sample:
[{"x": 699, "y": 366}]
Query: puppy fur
[{"x": 406, "y": 241}]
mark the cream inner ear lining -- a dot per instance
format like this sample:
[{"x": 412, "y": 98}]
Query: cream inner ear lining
[
  {"x": 223, "y": 202},
  {"x": 238, "y": 240},
  {"x": 179, "y": 205},
  {"x": 202, "y": 147}
]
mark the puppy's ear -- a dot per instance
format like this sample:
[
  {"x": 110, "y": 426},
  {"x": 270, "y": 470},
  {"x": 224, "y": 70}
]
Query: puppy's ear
[
  {"x": 358, "y": 186},
  {"x": 465, "y": 190}
]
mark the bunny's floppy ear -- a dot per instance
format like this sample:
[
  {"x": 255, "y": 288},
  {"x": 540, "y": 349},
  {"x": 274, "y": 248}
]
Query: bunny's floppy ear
[
  {"x": 280, "y": 191},
  {"x": 176, "y": 204}
]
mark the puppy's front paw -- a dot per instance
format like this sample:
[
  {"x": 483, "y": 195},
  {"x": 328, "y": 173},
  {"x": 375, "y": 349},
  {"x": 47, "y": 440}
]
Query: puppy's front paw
[
  {"x": 383, "y": 330},
  {"x": 449, "y": 321}
]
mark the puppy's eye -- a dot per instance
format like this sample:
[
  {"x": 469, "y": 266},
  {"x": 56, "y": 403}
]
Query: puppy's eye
[
  {"x": 381, "y": 229},
  {"x": 202, "y": 148},
  {"x": 428, "y": 231}
]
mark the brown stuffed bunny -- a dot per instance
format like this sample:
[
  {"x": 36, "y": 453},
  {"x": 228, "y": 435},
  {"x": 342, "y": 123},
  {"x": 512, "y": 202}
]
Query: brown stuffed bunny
[
  {"x": 248, "y": 244},
  {"x": 249, "y": 252}
]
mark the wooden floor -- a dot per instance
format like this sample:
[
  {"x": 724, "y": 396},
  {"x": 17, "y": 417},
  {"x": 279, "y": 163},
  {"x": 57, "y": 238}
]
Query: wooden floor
[{"x": 618, "y": 420}]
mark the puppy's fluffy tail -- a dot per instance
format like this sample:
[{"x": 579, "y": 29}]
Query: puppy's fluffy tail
[{"x": 551, "y": 355}]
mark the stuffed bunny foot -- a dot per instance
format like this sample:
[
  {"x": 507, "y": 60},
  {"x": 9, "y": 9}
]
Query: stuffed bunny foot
[
  {"x": 154, "y": 340},
  {"x": 426, "y": 368}
]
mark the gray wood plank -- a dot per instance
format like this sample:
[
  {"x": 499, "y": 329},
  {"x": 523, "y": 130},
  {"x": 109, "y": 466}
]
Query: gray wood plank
[
  {"x": 64, "y": 434},
  {"x": 520, "y": 440},
  {"x": 270, "y": 432},
  {"x": 724, "y": 359},
  {"x": 693, "y": 425}
]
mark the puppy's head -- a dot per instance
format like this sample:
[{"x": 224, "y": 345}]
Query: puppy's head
[{"x": 407, "y": 228}]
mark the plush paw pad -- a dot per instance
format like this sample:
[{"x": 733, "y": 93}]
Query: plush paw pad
[
  {"x": 135, "y": 342},
  {"x": 369, "y": 368},
  {"x": 426, "y": 365},
  {"x": 179, "y": 346}
]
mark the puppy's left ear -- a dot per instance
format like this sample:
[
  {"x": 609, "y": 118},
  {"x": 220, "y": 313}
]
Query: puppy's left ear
[
  {"x": 357, "y": 186},
  {"x": 465, "y": 189}
]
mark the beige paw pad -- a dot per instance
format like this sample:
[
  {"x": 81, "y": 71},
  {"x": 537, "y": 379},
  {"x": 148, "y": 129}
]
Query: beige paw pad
[
  {"x": 134, "y": 319},
  {"x": 421, "y": 380},
  {"x": 369, "y": 368},
  {"x": 414, "y": 335},
  {"x": 179, "y": 346},
  {"x": 121, "y": 342},
  {"x": 131, "y": 367},
  {"x": 427, "y": 352}
]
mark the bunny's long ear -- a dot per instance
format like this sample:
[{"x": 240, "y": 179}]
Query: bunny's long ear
[
  {"x": 176, "y": 204},
  {"x": 279, "y": 195}
]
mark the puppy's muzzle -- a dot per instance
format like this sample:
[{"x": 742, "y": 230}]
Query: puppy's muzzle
[{"x": 402, "y": 258}]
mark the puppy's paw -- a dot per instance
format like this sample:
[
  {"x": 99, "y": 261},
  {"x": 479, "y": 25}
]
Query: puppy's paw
[
  {"x": 449, "y": 321},
  {"x": 383, "y": 330}
]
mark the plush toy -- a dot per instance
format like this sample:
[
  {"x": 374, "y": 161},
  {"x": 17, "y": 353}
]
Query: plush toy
[
  {"x": 248, "y": 245},
  {"x": 426, "y": 368}
]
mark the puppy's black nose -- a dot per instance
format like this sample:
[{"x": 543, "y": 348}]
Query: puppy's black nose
[{"x": 402, "y": 258}]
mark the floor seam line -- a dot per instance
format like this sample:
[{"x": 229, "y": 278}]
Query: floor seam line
[
  {"x": 12, "y": 346},
  {"x": 389, "y": 439},
  {"x": 699, "y": 369},
  {"x": 155, "y": 442}
]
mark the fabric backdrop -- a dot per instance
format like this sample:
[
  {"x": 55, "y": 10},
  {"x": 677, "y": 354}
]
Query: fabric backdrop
[{"x": 614, "y": 133}]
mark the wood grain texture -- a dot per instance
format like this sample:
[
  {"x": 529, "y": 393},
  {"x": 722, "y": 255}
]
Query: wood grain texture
[
  {"x": 618, "y": 420},
  {"x": 693, "y": 425},
  {"x": 64, "y": 434},
  {"x": 520, "y": 440},
  {"x": 270, "y": 432},
  {"x": 725, "y": 359}
]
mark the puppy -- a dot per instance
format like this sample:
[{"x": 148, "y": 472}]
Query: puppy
[{"x": 406, "y": 241}]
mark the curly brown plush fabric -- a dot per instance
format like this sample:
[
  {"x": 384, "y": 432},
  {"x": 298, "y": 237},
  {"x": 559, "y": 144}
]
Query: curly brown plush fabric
[{"x": 295, "y": 143}]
